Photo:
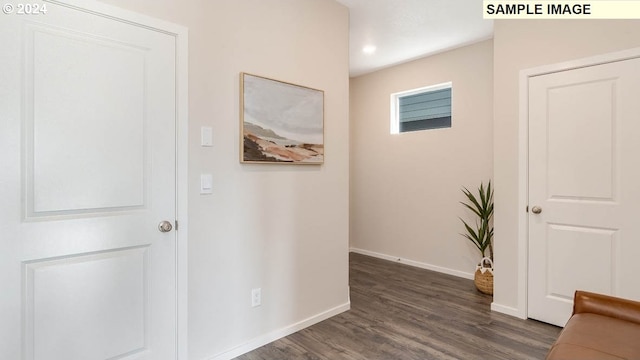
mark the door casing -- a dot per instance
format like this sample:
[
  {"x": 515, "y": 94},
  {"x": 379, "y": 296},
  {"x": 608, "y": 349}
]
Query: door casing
[
  {"x": 180, "y": 34},
  {"x": 523, "y": 155}
]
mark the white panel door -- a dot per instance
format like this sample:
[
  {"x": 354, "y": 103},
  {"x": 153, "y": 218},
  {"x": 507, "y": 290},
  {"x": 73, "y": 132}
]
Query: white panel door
[
  {"x": 88, "y": 150},
  {"x": 584, "y": 176}
]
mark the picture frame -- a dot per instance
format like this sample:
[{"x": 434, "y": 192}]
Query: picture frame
[{"x": 280, "y": 122}]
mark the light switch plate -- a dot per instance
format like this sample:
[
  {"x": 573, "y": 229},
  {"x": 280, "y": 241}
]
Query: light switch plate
[
  {"x": 206, "y": 184},
  {"x": 206, "y": 136}
]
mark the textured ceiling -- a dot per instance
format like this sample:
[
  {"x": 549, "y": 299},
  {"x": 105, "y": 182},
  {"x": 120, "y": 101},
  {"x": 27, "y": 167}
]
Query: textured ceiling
[{"x": 403, "y": 30}]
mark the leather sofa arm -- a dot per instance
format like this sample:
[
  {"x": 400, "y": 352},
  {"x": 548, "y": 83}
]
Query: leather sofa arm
[{"x": 623, "y": 309}]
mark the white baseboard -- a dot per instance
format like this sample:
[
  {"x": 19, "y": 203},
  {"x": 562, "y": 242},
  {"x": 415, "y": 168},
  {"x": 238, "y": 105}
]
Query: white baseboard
[
  {"x": 278, "y": 334},
  {"x": 508, "y": 310},
  {"x": 414, "y": 263}
]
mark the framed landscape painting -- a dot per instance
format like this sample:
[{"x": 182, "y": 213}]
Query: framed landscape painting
[{"x": 280, "y": 122}]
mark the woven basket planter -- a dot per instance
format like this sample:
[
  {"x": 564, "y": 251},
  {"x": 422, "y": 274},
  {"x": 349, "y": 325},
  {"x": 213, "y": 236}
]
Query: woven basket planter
[{"x": 484, "y": 277}]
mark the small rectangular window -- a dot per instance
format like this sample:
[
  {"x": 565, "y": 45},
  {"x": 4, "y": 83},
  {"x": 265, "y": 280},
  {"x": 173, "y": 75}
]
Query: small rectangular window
[{"x": 421, "y": 109}]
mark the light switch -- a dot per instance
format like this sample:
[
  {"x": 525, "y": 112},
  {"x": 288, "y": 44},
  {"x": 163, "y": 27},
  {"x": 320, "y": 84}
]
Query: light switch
[
  {"x": 206, "y": 184},
  {"x": 206, "y": 136}
]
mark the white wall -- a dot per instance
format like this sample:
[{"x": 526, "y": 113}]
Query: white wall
[
  {"x": 523, "y": 44},
  {"x": 405, "y": 188},
  {"x": 282, "y": 228}
]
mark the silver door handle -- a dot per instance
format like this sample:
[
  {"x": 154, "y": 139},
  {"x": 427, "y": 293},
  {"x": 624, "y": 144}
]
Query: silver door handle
[
  {"x": 165, "y": 226},
  {"x": 536, "y": 209}
]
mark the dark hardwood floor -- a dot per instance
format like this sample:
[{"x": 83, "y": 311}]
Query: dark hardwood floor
[{"x": 402, "y": 312}]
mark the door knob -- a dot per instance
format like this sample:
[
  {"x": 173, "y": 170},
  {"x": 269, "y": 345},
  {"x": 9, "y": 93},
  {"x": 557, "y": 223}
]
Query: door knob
[
  {"x": 536, "y": 209},
  {"x": 165, "y": 226}
]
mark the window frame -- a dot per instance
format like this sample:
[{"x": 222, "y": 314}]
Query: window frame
[{"x": 395, "y": 104}]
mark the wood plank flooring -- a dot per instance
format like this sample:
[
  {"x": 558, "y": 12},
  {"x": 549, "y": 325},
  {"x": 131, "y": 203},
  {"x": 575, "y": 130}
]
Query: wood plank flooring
[{"x": 402, "y": 312}]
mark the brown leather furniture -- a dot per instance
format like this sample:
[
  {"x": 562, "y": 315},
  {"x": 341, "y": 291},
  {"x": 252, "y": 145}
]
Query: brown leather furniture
[{"x": 602, "y": 327}]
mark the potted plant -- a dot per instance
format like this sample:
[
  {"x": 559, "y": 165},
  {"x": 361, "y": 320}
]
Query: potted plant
[{"x": 481, "y": 235}]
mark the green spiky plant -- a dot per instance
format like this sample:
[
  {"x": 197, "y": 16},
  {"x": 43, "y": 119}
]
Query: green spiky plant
[{"x": 482, "y": 234}]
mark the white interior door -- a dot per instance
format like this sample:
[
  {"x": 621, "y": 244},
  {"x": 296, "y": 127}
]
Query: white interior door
[
  {"x": 88, "y": 149},
  {"x": 584, "y": 177}
]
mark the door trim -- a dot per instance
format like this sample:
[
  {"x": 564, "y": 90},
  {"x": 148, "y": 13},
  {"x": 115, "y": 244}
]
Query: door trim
[
  {"x": 180, "y": 34},
  {"x": 523, "y": 157}
]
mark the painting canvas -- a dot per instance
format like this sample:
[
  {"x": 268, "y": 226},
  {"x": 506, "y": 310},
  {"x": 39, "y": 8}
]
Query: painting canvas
[{"x": 280, "y": 122}]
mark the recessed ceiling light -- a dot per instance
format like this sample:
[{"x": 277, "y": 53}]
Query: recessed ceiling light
[{"x": 369, "y": 49}]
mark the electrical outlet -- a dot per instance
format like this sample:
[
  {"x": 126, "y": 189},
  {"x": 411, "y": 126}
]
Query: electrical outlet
[{"x": 256, "y": 297}]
